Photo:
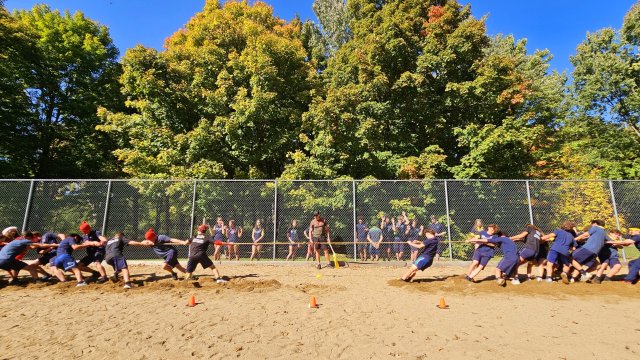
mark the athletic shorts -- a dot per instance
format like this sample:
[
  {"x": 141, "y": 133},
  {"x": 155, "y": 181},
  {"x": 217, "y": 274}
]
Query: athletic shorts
[
  {"x": 90, "y": 259},
  {"x": 584, "y": 257},
  {"x": 65, "y": 262},
  {"x": 398, "y": 245},
  {"x": 46, "y": 258},
  {"x": 171, "y": 258},
  {"x": 203, "y": 260},
  {"x": 117, "y": 263},
  {"x": 634, "y": 268},
  {"x": 320, "y": 244},
  {"x": 12, "y": 264},
  {"x": 528, "y": 254},
  {"x": 555, "y": 257},
  {"x": 481, "y": 258},
  {"x": 612, "y": 261},
  {"x": 373, "y": 251},
  {"x": 362, "y": 245},
  {"x": 508, "y": 264},
  {"x": 423, "y": 262}
]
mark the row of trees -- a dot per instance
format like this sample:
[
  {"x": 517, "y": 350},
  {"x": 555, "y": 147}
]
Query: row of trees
[{"x": 385, "y": 89}]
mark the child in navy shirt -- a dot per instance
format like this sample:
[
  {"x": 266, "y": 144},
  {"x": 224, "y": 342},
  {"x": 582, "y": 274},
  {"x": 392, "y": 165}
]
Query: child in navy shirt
[
  {"x": 508, "y": 266},
  {"x": 361, "y": 238},
  {"x": 428, "y": 249},
  {"x": 161, "y": 245},
  {"x": 608, "y": 258},
  {"x": 233, "y": 233},
  {"x": 115, "y": 257},
  {"x": 634, "y": 265},
  {"x": 560, "y": 252},
  {"x": 65, "y": 262},
  {"x": 198, "y": 246},
  {"x": 484, "y": 252},
  {"x": 292, "y": 236}
]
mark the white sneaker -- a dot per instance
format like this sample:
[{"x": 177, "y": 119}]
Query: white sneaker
[
  {"x": 549, "y": 280},
  {"x": 221, "y": 281},
  {"x": 127, "y": 286},
  {"x": 539, "y": 279},
  {"x": 585, "y": 278},
  {"x": 515, "y": 281},
  {"x": 81, "y": 283}
]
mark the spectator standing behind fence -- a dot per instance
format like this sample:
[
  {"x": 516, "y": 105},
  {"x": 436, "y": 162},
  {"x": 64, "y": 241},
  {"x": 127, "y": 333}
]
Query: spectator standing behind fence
[
  {"x": 439, "y": 230},
  {"x": 292, "y": 236},
  {"x": 320, "y": 236},
  {"x": 374, "y": 236},
  {"x": 217, "y": 231},
  {"x": 310, "y": 251},
  {"x": 233, "y": 233},
  {"x": 361, "y": 238},
  {"x": 257, "y": 235},
  {"x": 386, "y": 225},
  {"x": 415, "y": 231},
  {"x": 400, "y": 229}
]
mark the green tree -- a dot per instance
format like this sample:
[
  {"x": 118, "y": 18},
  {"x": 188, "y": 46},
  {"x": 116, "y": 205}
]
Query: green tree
[
  {"x": 334, "y": 17},
  {"x": 225, "y": 99},
  {"x": 74, "y": 69}
]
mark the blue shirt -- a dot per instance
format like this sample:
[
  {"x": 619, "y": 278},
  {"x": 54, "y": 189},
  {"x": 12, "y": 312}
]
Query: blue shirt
[
  {"x": 217, "y": 232},
  {"x": 507, "y": 245},
  {"x": 293, "y": 234},
  {"x": 375, "y": 233},
  {"x": 64, "y": 248},
  {"x": 483, "y": 248},
  {"x": 414, "y": 233},
  {"x": 161, "y": 248},
  {"x": 361, "y": 231},
  {"x": 257, "y": 233},
  {"x": 93, "y": 235},
  {"x": 13, "y": 249},
  {"x": 233, "y": 234},
  {"x": 402, "y": 228},
  {"x": 49, "y": 238},
  {"x": 596, "y": 240},
  {"x": 563, "y": 242},
  {"x": 430, "y": 246},
  {"x": 636, "y": 239},
  {"x": 437, "y": 228},
  {"x": 387, "y": 232}
]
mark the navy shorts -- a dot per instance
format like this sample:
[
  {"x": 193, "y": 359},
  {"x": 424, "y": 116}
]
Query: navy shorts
[
  {"x": 65, "y": 262},
  {"x": 612, "y": 261},
  {"x": 373, "y": 251},
  {"x": 508, "y": 264},
  {"x": 543, "y": 251},
  {"x": 46, "y": 258},
  {"x": 171, "y": 258},
  {"x": 555, "y": 257},
  {"x": 118, "y": 263},
  {"x": 90, "y": 259},
  {"x": 12, "y": 264},
  {"x": 483, "y": 259},
  {"x": 363, "y": 244},
  {"x": 398, "y": 245},
  {"x": 585, "y": 257},
  {"x": 423, "y": 262},
  {"x": 203, "y": 260},
  {"x": 528, "y": 254}
]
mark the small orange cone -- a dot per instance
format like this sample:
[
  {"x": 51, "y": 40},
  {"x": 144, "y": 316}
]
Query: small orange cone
[
  {"x": 192, "y": 301},
  {"x": 313, "y": 303},
  {"x": 442, "y": 304}
]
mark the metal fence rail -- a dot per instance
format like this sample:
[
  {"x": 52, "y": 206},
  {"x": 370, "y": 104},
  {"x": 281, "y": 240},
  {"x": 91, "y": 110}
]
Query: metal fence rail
[{"x": 175, "y": 208}]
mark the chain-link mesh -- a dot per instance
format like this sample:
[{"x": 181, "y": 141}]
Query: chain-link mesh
[
  {"x": 135, "y": 206},
  {"x": 627, "y": 196},
  {"x": 504, "y": 203},
  {"x": 297, "y": 200},
  {"x": 242, "y": 201},
  {"x": 418, "y": 199},
  {"x": 175, "y": 207},
  {"x": 13, "y": 202}
]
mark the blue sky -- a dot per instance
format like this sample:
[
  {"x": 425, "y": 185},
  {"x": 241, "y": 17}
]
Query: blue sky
[{"x": 558, "y": 25}]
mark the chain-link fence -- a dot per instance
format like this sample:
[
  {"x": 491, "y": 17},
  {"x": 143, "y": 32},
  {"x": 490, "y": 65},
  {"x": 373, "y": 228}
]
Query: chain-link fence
[{"x": 454, "y": 208}]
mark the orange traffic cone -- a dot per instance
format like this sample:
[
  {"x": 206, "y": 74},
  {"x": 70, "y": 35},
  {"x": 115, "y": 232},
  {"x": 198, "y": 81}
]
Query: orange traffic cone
[
  {"x": 192, "y": 301},
  {"x": 313, "y": 303},
  {"x": 442, "y": 304}
]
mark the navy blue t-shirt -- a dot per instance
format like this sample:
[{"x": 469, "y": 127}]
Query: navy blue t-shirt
[
  {"x": 414, "y": 233},
  {"x": 64, "y": 248},
  {"x": 430, "y": 247},
  {"x": 387, "y": 232},
  {"x": 93, "y": 235},
  {"x": 483, "y": 248},
  {"x": 13, "y": 249},
  {"x": 49, "y": 238},
  {"x": 402, "y": 229},
  {"x": 563, "y": 242},
  {"x": 361, "y": 232},
  {"x": 636, "y": 239},
  {"x": 506, "y": 244},
  {"x": 161, "y": 248},
  {"x": 437, "y": 228}
]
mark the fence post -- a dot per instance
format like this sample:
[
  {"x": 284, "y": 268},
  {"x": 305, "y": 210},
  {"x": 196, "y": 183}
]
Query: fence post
[
  {"x": 275, "y": 216},
  {"x": 106, "y": 208},
  {"x": 355, "y": 238},
  {"x": 193, "y": 207},
  {"x": 615, "y": 214},
  {"x": 446, "y": 202},
  {"x": 27, "y": 210},
  {"x": 529, "y": 200}
]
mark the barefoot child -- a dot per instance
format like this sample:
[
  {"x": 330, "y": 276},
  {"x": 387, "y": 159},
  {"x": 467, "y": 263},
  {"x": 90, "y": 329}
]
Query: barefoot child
[
  {"x": 218, "y": 230},
  {"x": 400, "y": 238},
  {"x": 374, "y": 237},
  {"x": 198, "y": 246},
  {"x": 414, "y": 234},
  {"x": 428, "y": 249}
]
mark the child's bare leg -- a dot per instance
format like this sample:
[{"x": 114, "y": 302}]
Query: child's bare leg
[
  {"x": 472, "y": 266},
  {"x": 476, "y": 271},
  {"x": 59, "y": 274},
  {"x": 614, "y": 270},
  {"x": 78, "y": 274},
  {"x": 126, "y": 275}
]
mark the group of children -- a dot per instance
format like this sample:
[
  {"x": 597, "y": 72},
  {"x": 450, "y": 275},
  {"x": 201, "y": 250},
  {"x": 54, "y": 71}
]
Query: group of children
[
  {"x": 589, "y": 256},
  {"x": 57, "y": 251}
]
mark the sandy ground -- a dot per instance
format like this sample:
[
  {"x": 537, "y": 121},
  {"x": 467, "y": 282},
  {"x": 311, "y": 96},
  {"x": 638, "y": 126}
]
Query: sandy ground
[{"x": 262, "y": 313}]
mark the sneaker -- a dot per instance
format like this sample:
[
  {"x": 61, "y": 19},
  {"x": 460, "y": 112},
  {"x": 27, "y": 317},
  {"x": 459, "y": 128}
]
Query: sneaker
[
  {"x": 606, "y": 278},
  {"x": 585, "y": 277},
  {"x": 102, "y": 280},
  {"x": 468, "y": 279},
  {"x": 515, "y": 281},
  {"x": 115, "y": 278},
  {"x": 597, "y": 280},
  {"x": 81, "y": 283},
  {"x": 318, "y": 266},
  {"x": 549, "y": 280},
  {"x": 221, "y": 281},
  {"x": 174, "y": 276},
  {"x": 572, "y": 280},
  {"x": 565, "y": 278},
  {"x": 127, "y": 285},
  {"x": 501, "y": 282},
  {"x": 46, "y": 278},
  {"x": 538, "y": 279}
]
